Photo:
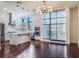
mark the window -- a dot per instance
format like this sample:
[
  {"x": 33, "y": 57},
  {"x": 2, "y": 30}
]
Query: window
[
  {"x": 46, "y": 21},
  {"x": 61, "y": 14},
  {"x": 61, "y": 32},
  {"x": 53, "y": 32},
  {"x": 53, "y": 15},
  {"x": 56, "y": 25},
  {"x": 25, "y": 20},
  {"x": 46, "y": 15},
  {"x": 46, "y": 31}
]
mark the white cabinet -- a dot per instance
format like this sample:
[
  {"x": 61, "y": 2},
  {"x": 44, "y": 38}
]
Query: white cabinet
[{"x": 18, "y": 38}]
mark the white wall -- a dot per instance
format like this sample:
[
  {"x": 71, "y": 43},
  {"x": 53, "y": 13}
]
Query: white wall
[
  {"x": 37, "y": 22},
  {"x": 67, "y": 26},
  {"x": 74, "y": 25},
  {"x": 4, "y": 16},
  {"x": 78, "y": 25}
]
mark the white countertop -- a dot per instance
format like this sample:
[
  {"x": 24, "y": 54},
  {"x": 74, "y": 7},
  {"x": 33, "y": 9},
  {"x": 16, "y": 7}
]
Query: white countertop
[
  {"x": 19, "y": 32},
  {"x": 13, "y": 30}
]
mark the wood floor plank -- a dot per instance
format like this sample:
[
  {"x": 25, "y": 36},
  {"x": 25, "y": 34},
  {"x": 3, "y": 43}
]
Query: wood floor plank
[{"x": 37, "y": 49}]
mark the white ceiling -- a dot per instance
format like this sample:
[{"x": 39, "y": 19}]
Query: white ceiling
[
  {"x": 35, "y": 4},
  {"x": 32, "y": 5}
]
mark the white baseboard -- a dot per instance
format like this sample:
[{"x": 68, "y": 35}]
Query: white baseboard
[
  {"x": 45, "y": 40},
  {"x": 54, "y": 41}
]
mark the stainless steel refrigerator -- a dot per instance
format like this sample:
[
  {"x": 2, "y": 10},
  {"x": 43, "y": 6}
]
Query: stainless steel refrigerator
[{"x": 2, "y": 34}]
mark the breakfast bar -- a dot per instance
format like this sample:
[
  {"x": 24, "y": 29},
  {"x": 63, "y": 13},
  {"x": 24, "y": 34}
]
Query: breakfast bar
[{"x": 18, "y": 38}]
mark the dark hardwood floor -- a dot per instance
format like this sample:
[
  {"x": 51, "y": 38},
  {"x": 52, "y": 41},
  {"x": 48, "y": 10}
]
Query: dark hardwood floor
[{"x": 37, "y": 49}]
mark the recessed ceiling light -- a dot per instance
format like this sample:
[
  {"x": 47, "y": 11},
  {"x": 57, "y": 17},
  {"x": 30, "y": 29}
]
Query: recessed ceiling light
[
  {"x": 5, "y": 9},
  {"x": 23, "y": 8},
  {"x": 17, "y": 5}
]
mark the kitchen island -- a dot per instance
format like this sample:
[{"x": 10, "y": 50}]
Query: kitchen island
[{"x": 17, "y": 38}]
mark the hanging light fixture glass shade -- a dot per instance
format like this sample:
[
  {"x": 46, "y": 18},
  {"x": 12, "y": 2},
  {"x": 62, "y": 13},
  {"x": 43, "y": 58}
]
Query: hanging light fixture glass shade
[{"x": 44, "y": 8}]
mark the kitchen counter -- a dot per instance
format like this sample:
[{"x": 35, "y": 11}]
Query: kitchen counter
[{"x": 16, "y": 38}]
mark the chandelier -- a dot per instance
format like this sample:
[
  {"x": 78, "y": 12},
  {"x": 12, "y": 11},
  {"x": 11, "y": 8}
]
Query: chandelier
[
  {"x": 44, "y": 8},
  {"x": 19, "y": 4}
]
